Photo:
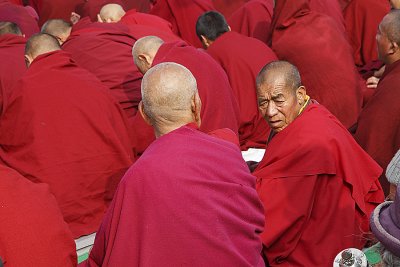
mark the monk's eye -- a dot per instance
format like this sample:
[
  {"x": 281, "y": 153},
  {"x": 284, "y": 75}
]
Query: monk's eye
[
  {"x": 279, "y": 102},
  {"x": 263, "y": 104}
]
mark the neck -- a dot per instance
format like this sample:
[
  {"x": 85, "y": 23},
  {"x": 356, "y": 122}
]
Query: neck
[{"x": 160, "y": 130}]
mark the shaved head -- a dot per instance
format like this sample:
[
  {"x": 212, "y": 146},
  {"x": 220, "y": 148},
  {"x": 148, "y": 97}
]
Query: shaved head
[
  {"x": 111, "y": 13},
  {"x": 169, "y": 95},
  {"x": 40, "y": 43},
  {"x": 144, "y": 51},
  {"x": 58, "y": 28},
  {"x": 390, "y": 25},
  {"x": 284, "y": 69},
  {"x": 9, "y": 28}
]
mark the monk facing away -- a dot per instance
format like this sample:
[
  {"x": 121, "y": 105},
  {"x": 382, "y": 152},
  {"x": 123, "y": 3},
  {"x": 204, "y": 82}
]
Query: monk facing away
[
  {"x": 62, "y": 128},
  {"x": 317, "y": 185},
  {"x": 378, "y": 127},
  {"x": 190, "y": 199}
]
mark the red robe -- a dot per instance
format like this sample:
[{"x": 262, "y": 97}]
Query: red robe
[
  {"x": 63, "y": 128},
  {"x": 219, "y": 107},
  {"x": 12, "y": 49},
  {"x": 105, "y": 49},
  {"x": 183, "y": 15},
  {"x": 315, "y": 45},
  {"x": 242, "y": 58},
  {"x": 378, "y": 130},
  {"x": 228, "y": 7},
  {"x": 318, "y": 188},
  {"x": 330, "y": 8},
  {"x": 32, "y": 229},
  {"x": 196, "y": 207},
  {"x": 253, "y": 19},
  {"x": 19, "y": 15},
  {"x": 343, "y": 3},
  {"x": 362, "y": 18}
]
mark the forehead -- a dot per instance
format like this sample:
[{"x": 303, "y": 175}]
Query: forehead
[{"x": 273, "y": 84}]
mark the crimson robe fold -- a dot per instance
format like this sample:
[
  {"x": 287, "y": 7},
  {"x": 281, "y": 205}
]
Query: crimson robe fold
[
  {"x": 378, "y": 127},
  {"x": 19, "y": 15},
  {"x": 228, "y": 7},
  {"x": 315, "y": 45},
  {"x": 32, "y": 229},
  {"x": 331, "y": 8},
  {"x": 63, "y": 128},
  {"x": 242, "y": 58},
  {"x": 183, "y": 15},
  {"x": 12, "y": 50},
  {"x": 188, "y": 201},
  {"x": 318, "y": 188}
]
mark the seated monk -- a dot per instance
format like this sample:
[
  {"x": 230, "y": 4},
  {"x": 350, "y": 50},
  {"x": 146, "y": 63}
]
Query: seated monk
[
  {"x": 12, "y": 46},
  {"x": 378, "y": 127},
  {"x": 62, "y": 127},
  {"x": 219, "y": 107},
  {"x": 242, "y": 58},
  {"x": 317, "y": 185},
  {"x": 190, "y": 199},
  {"x": 32, "y": 229}
]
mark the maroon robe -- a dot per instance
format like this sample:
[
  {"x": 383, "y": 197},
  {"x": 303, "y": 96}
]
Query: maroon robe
[
  {"x": 12, "y": 49},
  {"x": 318, "y": 188},
  {"x": 242, "y": 58},
  {"x": 331, "y": 8},
  {"x": 183, "y": 15},
  {"x": 378, "y": 130},
  {"x": 32, "y": 229},
  {"x": 105, "y": 49},
  {"x": 228, "y": 7},
  {"x": 253, "y": 19},
  {"x": 19, "y": 15},
  {"x": 63, "y": 128},
  {"x": 313, "y": 43},
  {"x": 188, "y": 201}
]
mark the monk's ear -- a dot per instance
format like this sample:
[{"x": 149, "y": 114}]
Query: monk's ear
[
  {"x": 196, "y": 108},
  {"x": 28, "y": 60},
  {"x": 301, "y": 94},
  {"x": 145, "y": 59},
  {"x": 206, "y": 43},
  {"x": 144, "y": 115},
  {"x": 229, "y": 27},
  {"x": 394, "y": 48},
  {"x": 99, "y": 19}
]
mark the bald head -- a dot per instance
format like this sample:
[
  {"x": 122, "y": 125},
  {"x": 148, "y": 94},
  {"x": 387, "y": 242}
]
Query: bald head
[
  {"x": 39, "y": 44},
  {"x": 280, "y": 69},
  {"x": 390, "y": 25},
  {"x": 169, "y": 97},
  {"x": 144, "y": 51},
  {"x": 58, "y": 28},
  {"x": 111, "y": 13},
  {"x": 9, "y": 28}
]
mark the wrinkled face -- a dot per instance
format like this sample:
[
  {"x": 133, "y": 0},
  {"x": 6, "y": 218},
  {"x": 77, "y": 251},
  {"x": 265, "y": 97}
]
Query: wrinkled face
[
  {"x": 383, "y": 43},
  {"x": 279, "y": 103},
  {"x": 395, "y": 4}
]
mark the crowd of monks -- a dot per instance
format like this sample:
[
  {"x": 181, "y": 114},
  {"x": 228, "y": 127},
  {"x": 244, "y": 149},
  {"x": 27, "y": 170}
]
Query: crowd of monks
[{"x": 195, "y": 132}]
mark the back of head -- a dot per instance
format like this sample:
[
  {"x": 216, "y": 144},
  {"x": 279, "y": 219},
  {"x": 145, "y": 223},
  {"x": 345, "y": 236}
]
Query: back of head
[
  {"x": 391, "y": 26},
  {"x": 168, "y": 90},
  {"x": 144, "y": 51},
  {"x": 40, "y": 43},
  {"x": 111, "y": 13},
  {"x": 58, "y": 28},
  {"x": 9, "y": 28},
  {"x": 211, "y": 25}
]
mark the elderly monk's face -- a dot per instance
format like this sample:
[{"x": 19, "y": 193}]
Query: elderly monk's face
[{"x": 279, "y": 103}]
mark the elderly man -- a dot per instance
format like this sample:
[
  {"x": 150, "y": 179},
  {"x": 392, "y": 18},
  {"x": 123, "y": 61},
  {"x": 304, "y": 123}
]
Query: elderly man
[
  {"x": 190, "y": 199},
  {"x": 62, "y": 127},
  {"x": 378, "y": 130},
  {"x": 317, "y": 185}
]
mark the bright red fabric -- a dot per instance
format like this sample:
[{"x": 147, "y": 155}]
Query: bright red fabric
[
  {"x": 183, "y": 15},
  {"x": 228, "y": 7},
  {"x": 318, "y": 188},
  {"x": 63, "y": 128},
  {"x": 378, "y": 130},
  {"x": 32, "y": 229},
  {"x": 362, "y": 18},
  {"x": 253, "y": 19},
  {"x": 12, "y": 49},
  {"x": 315, "y": 45},
  {"x": 242, "y": 58},
  {"x": 105, "y": 49},
  {"x": 196, "y": 207},
  {"x": 19, "y": 15}
]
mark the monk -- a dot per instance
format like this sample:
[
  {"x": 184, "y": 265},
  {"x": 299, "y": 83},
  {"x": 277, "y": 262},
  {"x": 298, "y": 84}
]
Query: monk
[
  {"x": 12, "y": 46},
  {"x": 104, "y": 49},
  {"x": 184, "y": 210},
  {"x": 219, "y": 106},
  {"x": 362, "y": 18},
  {"x": 253, "y": 19},
  {"x": 19, "y": 15},
  {"x": 314, "y": 43},
  {"x": 32, "y": 229},
  {"x": 242, "y": 58},
  {"x": 62, "y": 127},
  {"x": 378, "y": 130},
  {"x": 182, "y": 14},
  {"x": 317, "y": 185}
]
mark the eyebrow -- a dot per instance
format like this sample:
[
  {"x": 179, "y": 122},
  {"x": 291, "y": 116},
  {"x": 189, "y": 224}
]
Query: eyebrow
[{"x": 280, "y": 95}]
